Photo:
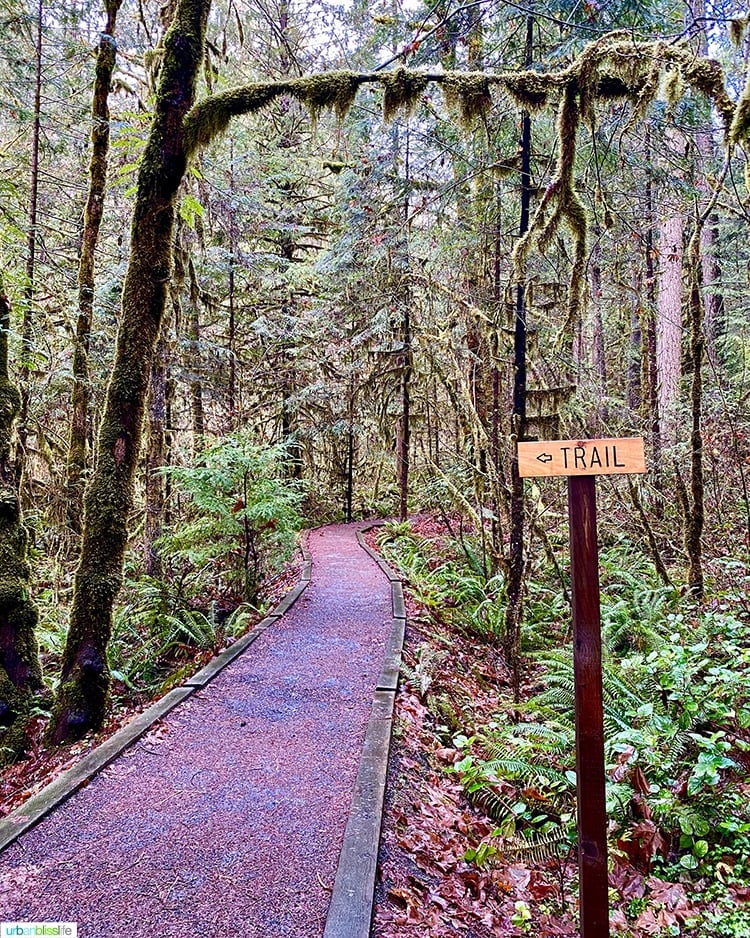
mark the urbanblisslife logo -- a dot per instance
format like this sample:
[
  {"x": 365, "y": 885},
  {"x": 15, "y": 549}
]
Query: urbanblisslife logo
[{"x": 38, "y": 930}]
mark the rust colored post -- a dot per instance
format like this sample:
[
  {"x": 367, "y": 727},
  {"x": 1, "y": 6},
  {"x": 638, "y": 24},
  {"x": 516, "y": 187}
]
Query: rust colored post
[{"x": 587, "y": 663}]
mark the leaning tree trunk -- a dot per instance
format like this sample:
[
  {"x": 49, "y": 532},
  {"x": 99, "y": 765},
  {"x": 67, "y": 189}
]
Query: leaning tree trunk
[
  {"x": 84, "y": 684},
  {"x": 79, "y": 424},
  {"x": 20, "y": 671}
]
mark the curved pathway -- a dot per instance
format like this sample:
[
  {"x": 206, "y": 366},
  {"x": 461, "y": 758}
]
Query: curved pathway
[{"x": 227, "y": 818}]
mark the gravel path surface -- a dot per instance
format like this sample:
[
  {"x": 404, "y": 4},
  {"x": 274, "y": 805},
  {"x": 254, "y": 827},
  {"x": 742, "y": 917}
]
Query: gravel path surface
[{"x": 227, "y": 818}]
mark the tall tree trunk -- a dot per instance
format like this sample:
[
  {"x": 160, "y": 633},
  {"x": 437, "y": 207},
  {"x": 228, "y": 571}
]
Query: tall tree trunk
[
  {"x": 636, "y": 354},
  {"x": 497, "y": 299},
  {"x": 80, "y": 402},
  {"x": 20, "y": 670},
  {"x": 407, "y": 355},
  {"x": 197, "y": 412},
  {"x": 350, "y": 449},
  {"x": 650, "y": 378},
  {"x": 156, "y": 456},
  {"x": 405, "y": 435},
  {"x": 598, "y": 354},
  {"x": 516, "y": 559},
  {"x": 231, "y": 321},
  {"x": 713, "y": 315},
  {"x": 84, "y": 684},
  {"x": 695, "y": 520},
  {"x": 27, "y": 327},
  {"x": 669, "y": 324},
  {"x": 714, "y": 318}
]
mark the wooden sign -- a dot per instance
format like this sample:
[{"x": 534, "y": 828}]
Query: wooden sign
[
  {"x": 574, "y": 458},
  {"x": 581, "y": 457}
]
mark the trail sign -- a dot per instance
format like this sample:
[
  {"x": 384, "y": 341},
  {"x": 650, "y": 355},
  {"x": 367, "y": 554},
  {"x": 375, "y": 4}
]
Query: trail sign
[
  {"x": 581, "y": 457},
  {"x": 581, "y": 460}
]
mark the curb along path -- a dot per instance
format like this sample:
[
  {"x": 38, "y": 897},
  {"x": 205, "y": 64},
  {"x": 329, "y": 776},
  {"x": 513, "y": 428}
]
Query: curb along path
[{"x": 227, "y": 817}]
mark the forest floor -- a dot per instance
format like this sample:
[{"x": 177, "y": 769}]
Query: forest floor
[
  {"x": 228, "y": 815},
  {"x": 435, "y": 880}
]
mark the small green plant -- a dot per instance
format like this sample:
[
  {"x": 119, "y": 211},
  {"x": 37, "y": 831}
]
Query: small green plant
[
  {"x": 245, "y": 516},
  {"x": 521, "y": 918},
  {"x": 155, "y": 630}
]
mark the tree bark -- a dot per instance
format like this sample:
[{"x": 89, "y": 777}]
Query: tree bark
[
  {"x": 695, "y": 520},
  {"x": 669, "y": 311},
  {"x": 407, "y": 355},
  {"x": 85, "y": 679},
  {"x": 231, "y": 321},
  {"x": 636, "y": 353},
  {"x": 669, "y": 325},
  {"x": 713, "y": 313},
  {"x": 516, "y": 558},
  {"x": 20, "y": 670},
  {"x": 650, "y": 378},
  {"x": 194, "y": 363},
  {"x": 80, "y": 402},
  {"x": 27, "y": 327},
  {"x": 156, "y": 458},
  {"x": 598, "y": 353}
]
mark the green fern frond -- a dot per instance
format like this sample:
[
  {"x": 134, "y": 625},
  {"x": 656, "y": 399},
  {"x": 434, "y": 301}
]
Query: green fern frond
[
  {"x": 536, "y": 849},
  {"x": 491, "y": 802},
  {"x": 525, "y": 771}
]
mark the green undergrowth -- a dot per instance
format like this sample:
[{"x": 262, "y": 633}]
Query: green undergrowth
[
  {"x": 676, "y": 677},
  {"x": 238, "y": 523},
  {"x": 158, "y": 635}
]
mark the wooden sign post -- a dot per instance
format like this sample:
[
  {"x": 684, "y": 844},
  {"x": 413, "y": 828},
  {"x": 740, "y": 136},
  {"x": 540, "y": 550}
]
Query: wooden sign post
[{"x": 581, "y": 461}]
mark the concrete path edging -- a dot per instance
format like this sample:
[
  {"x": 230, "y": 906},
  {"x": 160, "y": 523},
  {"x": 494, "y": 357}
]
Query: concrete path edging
[
  {"x": 43, "y": 802},
  {"x": 353, "y": 895}
]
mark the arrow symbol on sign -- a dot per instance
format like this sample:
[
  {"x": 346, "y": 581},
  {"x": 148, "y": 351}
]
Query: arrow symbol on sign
[{"x": 544, "y": 457}]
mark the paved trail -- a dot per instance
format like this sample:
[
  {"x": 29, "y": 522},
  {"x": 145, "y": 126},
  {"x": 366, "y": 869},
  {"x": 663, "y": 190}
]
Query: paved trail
[{"x": 227, "y": 818}]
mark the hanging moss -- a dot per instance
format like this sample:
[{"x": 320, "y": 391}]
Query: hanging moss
[
  {"x": 207, "y": 120},
  {"x": 402, "y": 91},
  {"x": 565, "y": 203},
  {"x": 707, "y": 76},
  {"x": 529, "y": 89},
  {"x": 740, "y": 129},
  {"x": 737, "y": 28},
  {"x": 211, "y": 117},
  {"x": 648, "y": 92},
  {"x": 468, "y": 95},
  {"x": 331, "y": 90},
  {"x": 673, "y": 88}
]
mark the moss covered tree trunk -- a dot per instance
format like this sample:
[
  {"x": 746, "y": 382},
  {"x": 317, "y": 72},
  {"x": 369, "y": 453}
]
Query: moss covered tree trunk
[
  {"x": 32, "y": 238},
  {"x": 156, "y": 451},
  {"x": 84, "y": 685},
  {"x": 79, "y": 424},
  {"x": 20, "y": 671}
]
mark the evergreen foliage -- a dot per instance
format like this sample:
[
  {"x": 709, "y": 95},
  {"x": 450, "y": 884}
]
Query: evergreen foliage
[{"x": 242, "y": 519}]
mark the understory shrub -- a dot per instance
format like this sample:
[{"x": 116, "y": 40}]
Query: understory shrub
[{"x": 243, "y": 517}]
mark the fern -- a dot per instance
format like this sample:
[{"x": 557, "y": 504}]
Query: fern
[
  {"x": 421, "y": 675},
  {"x": 525, "y": 771},
  {"x": 537, "y": 848},
  {"x": 492, "y": 803}
]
